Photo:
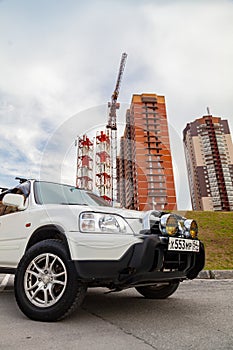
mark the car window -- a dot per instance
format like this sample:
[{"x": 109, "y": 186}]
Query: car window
[
  {"x": 53, "y": 193},
  {"x": 97, "y": 200}
]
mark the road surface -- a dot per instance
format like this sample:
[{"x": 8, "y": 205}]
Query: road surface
[{"x": 198, "y": 316}]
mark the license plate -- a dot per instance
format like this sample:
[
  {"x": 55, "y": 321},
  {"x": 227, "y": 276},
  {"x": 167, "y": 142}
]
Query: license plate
[{"x": 184, "y": 245}]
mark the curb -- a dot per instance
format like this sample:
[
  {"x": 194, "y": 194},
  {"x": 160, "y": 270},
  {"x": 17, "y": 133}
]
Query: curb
[{"x": 215, "y": 274}]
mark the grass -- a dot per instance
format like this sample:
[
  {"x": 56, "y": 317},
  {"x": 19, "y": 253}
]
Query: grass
[{"x": 216, "y": 232}]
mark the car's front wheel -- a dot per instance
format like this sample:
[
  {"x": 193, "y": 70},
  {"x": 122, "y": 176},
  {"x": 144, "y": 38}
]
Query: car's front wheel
[
  {"x": 46, "y": 284},
  {"x": 158, "y": 291}
]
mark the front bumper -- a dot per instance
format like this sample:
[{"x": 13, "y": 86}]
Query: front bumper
[{"x": 146, "y": 263}]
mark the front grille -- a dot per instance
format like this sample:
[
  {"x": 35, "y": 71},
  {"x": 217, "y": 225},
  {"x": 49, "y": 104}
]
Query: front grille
[{"x": 176, "y": 261}]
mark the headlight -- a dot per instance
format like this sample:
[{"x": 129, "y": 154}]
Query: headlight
[
  {"x": 169, "y": 224},
  {"x": 191, "y": 227},
  {"x": 103, "y": 223}
]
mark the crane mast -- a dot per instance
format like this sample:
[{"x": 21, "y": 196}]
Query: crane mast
[{"x": 112, "y": 125}]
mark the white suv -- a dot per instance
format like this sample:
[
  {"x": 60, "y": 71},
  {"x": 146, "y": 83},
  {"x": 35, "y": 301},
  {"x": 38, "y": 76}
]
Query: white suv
[{"x": 59, "y": 240}]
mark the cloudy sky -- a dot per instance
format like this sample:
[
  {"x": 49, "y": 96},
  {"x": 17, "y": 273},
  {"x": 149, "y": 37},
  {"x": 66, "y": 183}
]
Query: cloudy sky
[{"x": 58, "y": 66}]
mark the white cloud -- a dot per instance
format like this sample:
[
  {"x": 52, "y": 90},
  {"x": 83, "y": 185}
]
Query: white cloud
[{"x": 60, "y": 58}]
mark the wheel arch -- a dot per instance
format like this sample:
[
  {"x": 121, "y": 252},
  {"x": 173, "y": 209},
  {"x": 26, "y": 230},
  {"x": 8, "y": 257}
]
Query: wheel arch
[{"x": 48, "y": 232}]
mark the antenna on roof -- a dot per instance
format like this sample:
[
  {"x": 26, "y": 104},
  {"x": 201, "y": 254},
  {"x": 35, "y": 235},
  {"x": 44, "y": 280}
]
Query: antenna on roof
[{"x": 208, "y": 110}]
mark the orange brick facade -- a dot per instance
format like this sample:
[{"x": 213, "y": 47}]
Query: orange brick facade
[{"x": 145, "y": 172}]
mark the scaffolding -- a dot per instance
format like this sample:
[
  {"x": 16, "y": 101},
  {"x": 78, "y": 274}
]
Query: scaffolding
[
  {"x": 103, "y": 165},
  {"x": 84, "y": 177}
]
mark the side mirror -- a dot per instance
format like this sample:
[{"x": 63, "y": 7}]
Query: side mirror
[{"x": 14, "y": 200}]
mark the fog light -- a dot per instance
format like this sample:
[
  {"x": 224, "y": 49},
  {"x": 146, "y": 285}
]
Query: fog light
[
  {"x": 192, "y": 227},
  {"x": 169, "y": 224}
]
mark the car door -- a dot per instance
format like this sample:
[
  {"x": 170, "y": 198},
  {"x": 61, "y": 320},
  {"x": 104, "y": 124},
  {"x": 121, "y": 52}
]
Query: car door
[{"x": 13, "y": 233}]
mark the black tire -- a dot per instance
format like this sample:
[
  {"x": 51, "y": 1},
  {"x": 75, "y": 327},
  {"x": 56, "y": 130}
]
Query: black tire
[
  {"x": 46, "y": 284},
  {"x": 158, "y": 291}
]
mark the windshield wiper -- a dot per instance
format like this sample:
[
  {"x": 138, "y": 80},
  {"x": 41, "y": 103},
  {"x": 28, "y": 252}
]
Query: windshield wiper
[{"x": 74, "y": 204}]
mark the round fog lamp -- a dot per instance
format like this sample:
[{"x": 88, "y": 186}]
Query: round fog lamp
[
  {"x": 192, "y": 227},
  {"x": 170, "y": 223}
]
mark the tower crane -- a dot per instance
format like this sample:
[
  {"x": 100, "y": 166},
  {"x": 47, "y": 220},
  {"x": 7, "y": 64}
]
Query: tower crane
[
  {"x": 112, "y": 125},
  {"x": 113, "y": 105}
]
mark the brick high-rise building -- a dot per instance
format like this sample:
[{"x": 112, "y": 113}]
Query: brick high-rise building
[
  {"x": 145, "y": 171},
  {"x": 209, "y": 158}
]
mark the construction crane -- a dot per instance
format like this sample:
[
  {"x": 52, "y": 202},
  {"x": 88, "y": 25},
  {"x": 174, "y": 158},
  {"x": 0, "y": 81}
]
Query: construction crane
[
  {"x": 112, "y": 125},
  {"x": 113, "y": 105}
]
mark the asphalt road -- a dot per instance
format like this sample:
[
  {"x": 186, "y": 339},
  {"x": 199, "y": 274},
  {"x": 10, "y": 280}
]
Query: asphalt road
[{"x": 198, "y": 316}]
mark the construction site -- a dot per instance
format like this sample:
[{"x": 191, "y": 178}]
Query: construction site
[{"x": 138, "y": 175}]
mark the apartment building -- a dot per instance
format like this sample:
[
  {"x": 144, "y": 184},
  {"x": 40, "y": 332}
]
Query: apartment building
[
  {"x": 209, "y": 158},
  {"x": 145, "y": 171}
]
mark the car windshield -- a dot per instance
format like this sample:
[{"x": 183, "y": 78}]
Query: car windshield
[{"x": 53, "y": 193}]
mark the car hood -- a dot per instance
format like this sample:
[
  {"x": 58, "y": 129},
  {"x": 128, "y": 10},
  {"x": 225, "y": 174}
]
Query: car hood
[
  {"x": 137, "y": 220},
  {"x": 126, "y": 213}
]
